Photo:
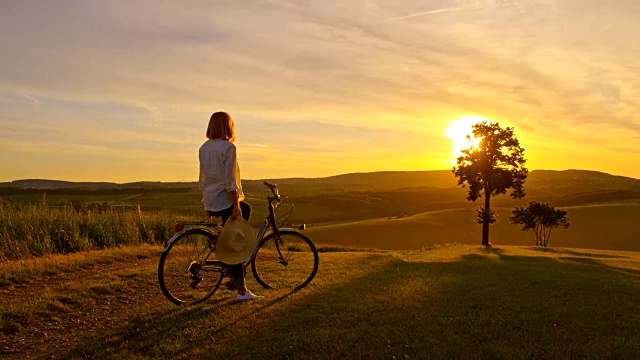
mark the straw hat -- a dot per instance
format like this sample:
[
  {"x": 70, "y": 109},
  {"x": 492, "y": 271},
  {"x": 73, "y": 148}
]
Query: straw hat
[{"x": 236, "y": 241}]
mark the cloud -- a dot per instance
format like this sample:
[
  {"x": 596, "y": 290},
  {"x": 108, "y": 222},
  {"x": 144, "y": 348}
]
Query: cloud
[{"x": 351, "y": 72}]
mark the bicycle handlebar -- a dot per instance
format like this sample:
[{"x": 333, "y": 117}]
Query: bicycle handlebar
[
  {"x": 274, "y": 190},
  {"x": 269, "y": 185}
]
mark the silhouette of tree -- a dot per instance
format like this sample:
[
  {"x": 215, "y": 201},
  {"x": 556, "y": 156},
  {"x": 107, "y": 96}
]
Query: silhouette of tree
[
  {"x": 491, "y": 168},
  {"x": 541, "y": 218}
]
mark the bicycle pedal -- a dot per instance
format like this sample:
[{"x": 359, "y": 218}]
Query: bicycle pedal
[{"x": 195, "y": 282}]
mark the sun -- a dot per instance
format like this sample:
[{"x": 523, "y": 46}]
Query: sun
[{"x": 458, "y": 131}]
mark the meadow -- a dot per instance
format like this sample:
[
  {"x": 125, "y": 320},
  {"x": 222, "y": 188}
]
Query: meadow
[
  {"x": 458, "y": 301},
  {"x": 602, "y": 226},
  {"x": 401, "y": 274},
  {"x": 37, "y": 229},
  {"x": 387, "y": 210}
]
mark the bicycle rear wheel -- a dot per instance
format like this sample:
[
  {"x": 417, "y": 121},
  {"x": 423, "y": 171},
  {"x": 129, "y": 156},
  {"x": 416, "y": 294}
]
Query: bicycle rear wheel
[
  {"x": 294, "y": 269},
  {"x": 184, "y": 273}
]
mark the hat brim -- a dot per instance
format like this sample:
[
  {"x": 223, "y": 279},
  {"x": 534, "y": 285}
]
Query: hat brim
[{"x": 225, "y": 253}]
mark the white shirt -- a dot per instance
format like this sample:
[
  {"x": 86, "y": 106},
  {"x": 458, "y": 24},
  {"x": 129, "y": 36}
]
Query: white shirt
[{"x": 219, "y": 174}]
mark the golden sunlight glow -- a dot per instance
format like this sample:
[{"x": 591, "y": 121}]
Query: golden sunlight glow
[{"x": 458, "y": 131}]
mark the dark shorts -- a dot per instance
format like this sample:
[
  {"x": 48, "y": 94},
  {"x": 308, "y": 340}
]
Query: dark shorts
[
  {"x": 236, "y": 272},
  {"x": 226, "y": 213}
]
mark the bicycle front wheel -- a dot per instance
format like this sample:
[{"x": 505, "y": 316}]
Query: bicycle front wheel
[
  {"x": 186, "y": 271},
  {"x": 292, "y": 267}
]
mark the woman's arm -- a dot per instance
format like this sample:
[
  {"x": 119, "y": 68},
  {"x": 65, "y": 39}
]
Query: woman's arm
[
  {"x": 231, "y": 182},
  {"x": 237, "y": 212},
  {"x": 201, "y": 176}
]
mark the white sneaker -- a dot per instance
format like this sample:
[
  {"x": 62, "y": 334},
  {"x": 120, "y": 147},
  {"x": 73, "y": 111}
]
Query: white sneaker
[{"x": 248, "y": 295}]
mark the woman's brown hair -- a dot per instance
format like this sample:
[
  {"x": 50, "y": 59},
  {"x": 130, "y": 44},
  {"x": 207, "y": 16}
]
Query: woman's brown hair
[{"x": 221, "y": 126}]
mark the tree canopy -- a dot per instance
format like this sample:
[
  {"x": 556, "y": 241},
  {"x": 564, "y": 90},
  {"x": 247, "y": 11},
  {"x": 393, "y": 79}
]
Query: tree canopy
[{"x": 541, "y": 218}]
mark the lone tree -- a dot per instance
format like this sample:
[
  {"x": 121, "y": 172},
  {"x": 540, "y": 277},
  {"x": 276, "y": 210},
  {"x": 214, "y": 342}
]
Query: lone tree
[
  {"x": 541, "y": 218},
  {"x": 491, "y": 168}
]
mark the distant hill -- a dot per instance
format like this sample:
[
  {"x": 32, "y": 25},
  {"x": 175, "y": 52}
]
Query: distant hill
[
  {"x": 578, "y": 179},
  {"x": 372, "y": 181},
  {"x": 41, "y": 184},
  {"x": 576, "y": 187},
  {"x": 542, "y": 181},
  {"x": 55, "y": 184}
]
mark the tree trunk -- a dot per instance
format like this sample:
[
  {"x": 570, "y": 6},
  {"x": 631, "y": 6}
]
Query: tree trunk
[
  {"x": 487, "y": 218},
  {"x": 548, "y": 235}
]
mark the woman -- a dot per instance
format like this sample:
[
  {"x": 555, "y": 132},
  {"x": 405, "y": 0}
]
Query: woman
[{"x": 222, "y": 194}]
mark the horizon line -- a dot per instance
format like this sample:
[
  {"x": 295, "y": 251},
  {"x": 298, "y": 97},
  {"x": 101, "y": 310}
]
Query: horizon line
[{"x": 288, "y": 178}]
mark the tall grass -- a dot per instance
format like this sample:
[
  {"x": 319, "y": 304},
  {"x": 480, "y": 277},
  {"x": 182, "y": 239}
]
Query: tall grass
[{"x": 37, "y": 229}]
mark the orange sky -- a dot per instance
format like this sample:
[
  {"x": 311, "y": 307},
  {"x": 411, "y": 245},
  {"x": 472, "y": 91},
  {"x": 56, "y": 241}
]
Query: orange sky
[{"x": 117, "y": 91}]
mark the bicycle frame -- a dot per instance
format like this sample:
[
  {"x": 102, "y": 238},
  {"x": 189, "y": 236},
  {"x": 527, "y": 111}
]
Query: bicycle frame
[{"x": 269, "y": 221}]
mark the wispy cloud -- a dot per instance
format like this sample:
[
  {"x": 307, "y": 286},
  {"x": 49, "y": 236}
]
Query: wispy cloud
[
  {"x": 423, "y": 13},
  {"x": 309, "y": 78}
]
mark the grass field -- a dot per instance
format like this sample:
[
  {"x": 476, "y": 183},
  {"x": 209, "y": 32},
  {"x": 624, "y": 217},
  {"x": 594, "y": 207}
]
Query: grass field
[
  {"x": 459, "y": 301},
  {"x": 385, "y": 210},
  {"x": 603, "y": 226},
  {"x": 38, "y": 229}
]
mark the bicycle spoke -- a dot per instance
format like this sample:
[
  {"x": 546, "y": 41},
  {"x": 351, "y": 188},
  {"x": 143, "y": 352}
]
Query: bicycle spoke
[{"x": 293, "y": 267}]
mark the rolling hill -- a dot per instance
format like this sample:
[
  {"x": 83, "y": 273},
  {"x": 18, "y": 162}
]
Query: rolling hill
[
  {"x": 573, "y": 180},
  {"x": 390, "y": 210},
  {"x": 606, "y": 226}
]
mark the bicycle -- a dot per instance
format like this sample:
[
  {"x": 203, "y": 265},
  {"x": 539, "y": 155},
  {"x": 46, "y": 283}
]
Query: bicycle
[{"x": 283, "y": 258}]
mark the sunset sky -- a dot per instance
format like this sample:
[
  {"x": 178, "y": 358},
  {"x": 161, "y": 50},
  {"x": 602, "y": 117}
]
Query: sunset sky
[{"x": 122, "y": 90}]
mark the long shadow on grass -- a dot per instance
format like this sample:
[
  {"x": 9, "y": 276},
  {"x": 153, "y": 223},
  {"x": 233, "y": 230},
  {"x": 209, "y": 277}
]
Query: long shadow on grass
[
  {"x": 576, "y": 253},
  {"x": 584, "y": 258},
  {"x": 143, "y": 334},
  {"x": 483, "y": 306},
  {"x": 267, "y": 304}
]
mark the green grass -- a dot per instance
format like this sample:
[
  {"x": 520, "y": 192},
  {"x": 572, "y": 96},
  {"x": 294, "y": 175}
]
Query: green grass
[
  {"x": 456, "y": 301},
  {"x": 183, "y": 202},
  {"x": 37, "y": 229},
  {"x": 25, "y": 270},
  {"x": 373, "y": 219}
]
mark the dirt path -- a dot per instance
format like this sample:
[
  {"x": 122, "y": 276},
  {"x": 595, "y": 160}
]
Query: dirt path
[{"x": 51, "y": 314}]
